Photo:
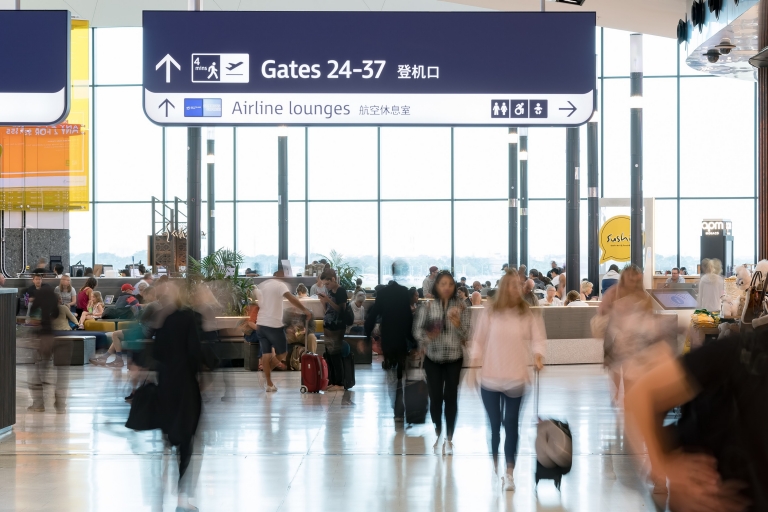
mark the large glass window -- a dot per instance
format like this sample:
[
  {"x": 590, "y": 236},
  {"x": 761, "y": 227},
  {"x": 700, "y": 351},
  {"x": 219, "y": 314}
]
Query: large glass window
[
  {"x": 257, "y": 237},
  {"x": 481, "y": 257},
  {"x": 481, "y": 163},
  {"x": 117, "y": 55},
  {"x": 717, "y": 137},
  {"x": 128, "y": 243},
  {"x": 343, "y": 163},
  {"x": 129, "y": 152},
  {"x": 416, "y": 234},
  {"x": 349, "y": 229},
  {"x": 415, "y": 163},
  {"x": 546, "y": 162},
  {"x": 740, "y": 211}
]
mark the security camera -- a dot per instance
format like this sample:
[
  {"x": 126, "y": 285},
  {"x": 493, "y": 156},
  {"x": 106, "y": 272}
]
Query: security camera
[
  {"x": 712, "y": 56},
  {"x": 725, "y": 46}
]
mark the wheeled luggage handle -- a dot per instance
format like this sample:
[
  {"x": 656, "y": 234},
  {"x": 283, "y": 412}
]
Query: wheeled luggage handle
[{"x": 536, "y": 387}]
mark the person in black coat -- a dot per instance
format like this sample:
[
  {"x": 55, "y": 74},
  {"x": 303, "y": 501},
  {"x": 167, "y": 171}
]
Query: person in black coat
[
  {"x": 178, "y": 353},
  {"x": 393, "y": 306}
]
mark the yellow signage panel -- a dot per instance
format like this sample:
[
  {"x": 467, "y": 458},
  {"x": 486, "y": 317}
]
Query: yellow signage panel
[{"x": 615, "y": 239}]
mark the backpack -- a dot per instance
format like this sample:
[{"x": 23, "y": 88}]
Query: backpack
[{"x": 349, "y": 315}]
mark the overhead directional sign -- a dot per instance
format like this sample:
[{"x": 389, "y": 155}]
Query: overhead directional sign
[
  {"x": 34, "y": 74},
  {"x": 369, "y": 68}
]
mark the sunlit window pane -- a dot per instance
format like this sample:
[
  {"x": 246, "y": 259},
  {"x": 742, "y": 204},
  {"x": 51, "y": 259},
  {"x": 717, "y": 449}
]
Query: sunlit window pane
[
  {"x": 343, "y": 163},
  {"x": 416, "y": 234},
  {"x": 481, "y": 163},
  {"x": 415, "y": 163}
]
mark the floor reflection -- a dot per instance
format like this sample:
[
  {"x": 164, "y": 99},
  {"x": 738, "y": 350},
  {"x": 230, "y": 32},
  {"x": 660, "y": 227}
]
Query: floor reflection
[{"x": 292, "y": 452}]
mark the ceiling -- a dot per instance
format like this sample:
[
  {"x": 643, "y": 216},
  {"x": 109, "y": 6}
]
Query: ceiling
[{"x": 657, "y": 17}]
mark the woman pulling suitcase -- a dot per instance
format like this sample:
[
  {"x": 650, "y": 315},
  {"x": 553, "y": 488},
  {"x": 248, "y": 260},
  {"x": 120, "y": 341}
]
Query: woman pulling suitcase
[
  {"x": 506, "y": 336},
  {"x": 442, "y": 328}
]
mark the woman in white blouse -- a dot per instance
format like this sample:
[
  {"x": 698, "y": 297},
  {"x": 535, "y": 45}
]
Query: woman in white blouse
[
  {"x": 551, "y": 298},
  {"x": 358, "y": 308},
  {"x": 508, "y": 336}
]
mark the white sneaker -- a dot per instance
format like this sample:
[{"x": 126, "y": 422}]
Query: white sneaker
[
  {"x": 448, "y": 447},
  {"x": 271, "y": 389},
  {"x": 508, "y": 483}
]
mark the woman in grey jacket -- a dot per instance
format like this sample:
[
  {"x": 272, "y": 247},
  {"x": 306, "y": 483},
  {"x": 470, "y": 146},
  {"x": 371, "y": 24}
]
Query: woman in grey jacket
[{"x": 441, "y": 329}]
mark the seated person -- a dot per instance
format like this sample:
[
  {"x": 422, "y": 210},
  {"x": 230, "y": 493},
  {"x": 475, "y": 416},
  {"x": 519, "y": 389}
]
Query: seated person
[
  {"x": 551, "y": 298},
  {"x": 95, "y": 308},
  {"x": 296, "y": 335},
  {"x": 528, "y": 295},
  {"x": 573, "y": 299},
  {"x": 126, "y": 301},
  {"x": 66, "y": 294},
  {"x": 62, "y": 322},
  {"x": 301, "y": 292},
  {"x": 477, "y": 299},
  {"x": 58, "y": 269},
  {"x": 586, "y": 291},
  {"x": 144, "y": 330},
  {"x": 357, "y": 328},
  {"x": 463, "y": 294}
]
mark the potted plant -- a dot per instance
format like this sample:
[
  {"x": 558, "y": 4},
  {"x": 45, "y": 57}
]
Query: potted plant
[
  {"x": 345, "y": 272},
  {"x": 221, "y": 270}
]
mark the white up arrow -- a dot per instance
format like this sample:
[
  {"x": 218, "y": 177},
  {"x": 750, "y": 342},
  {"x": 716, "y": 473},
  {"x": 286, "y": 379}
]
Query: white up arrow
[{"x": 168, "y": 60}]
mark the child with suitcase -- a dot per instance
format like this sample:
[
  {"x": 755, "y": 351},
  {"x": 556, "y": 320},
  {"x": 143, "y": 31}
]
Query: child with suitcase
[{"x": 508, "y": 335}]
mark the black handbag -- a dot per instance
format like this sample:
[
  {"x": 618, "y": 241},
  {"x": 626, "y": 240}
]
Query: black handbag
[{"x": 145, "y": 408}]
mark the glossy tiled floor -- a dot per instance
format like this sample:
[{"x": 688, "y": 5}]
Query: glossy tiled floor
[{"x": 293, "y": 452}]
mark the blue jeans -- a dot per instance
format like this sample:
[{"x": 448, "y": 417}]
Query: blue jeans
[{"x": 501, "y": 407}]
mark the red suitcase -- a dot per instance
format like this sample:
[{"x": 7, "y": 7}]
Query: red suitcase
[
  {"x": 314, "y": 369},
  {"x": 314, "y": 373}
]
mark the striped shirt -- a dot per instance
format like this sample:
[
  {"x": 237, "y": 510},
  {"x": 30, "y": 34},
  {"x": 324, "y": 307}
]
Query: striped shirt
[{"x": 448, "y": 344}]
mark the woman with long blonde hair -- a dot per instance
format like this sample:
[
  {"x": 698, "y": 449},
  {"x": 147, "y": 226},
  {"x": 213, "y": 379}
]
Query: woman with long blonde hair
[{"x": 507, "y": 337}]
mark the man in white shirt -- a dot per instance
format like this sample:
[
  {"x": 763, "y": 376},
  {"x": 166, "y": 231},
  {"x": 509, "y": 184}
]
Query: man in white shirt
[
  {"x": 270, "y": 295},
  {"x": 147, "y": 280}
]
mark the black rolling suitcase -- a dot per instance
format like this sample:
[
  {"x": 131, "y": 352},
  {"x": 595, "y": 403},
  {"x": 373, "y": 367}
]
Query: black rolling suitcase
[
  {"x": 415, "y": 394},
  {"x": 554, "y": 445}
]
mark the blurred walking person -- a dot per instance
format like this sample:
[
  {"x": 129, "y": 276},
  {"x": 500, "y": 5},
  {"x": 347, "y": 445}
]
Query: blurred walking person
[
  {"x": 178, "y": 353},
  {"x": 393, "y": 310},
  {"x": 507, "y": 337},
  {"x": 42, "y": 312},
  {"x": 442, "y": 328}
]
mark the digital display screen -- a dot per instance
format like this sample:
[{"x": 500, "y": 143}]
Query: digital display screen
[{"x": 675, "y": 299}]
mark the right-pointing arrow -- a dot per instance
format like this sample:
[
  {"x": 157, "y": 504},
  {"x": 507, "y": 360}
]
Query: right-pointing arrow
[
  {"x": 166, "y": 103},
  {"x": 572, "y": 108},
  {"x": 168, "y": 60}
]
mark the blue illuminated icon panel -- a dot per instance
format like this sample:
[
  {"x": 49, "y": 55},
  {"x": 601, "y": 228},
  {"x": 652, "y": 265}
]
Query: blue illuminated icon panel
[{"x": 199, "y": 107}]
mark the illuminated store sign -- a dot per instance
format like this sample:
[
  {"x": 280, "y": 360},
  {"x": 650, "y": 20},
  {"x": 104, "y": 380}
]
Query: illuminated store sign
[
  {"x": 369, "y": 68},
  {"x": 615, "y": 239},
  {"x": 716, "y": 227}
]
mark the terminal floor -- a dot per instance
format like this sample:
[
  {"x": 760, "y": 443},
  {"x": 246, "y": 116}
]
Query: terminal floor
[{"x": 292, "y": 452}]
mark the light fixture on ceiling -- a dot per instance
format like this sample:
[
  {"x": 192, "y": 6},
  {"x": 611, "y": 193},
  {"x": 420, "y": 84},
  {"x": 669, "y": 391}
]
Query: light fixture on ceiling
[
  {"x": 725, "y": 46},
  {"x": 712, "y": 55}
]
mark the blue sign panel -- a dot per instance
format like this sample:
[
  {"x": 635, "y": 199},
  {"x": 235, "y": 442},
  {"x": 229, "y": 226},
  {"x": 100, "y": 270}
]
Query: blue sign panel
[
  {"x": 377, "y": 68},
  {"x": 34, "y": 80}
]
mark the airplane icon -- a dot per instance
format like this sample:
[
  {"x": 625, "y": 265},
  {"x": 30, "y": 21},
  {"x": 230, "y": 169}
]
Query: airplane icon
[{"x": 233, "y": 65}]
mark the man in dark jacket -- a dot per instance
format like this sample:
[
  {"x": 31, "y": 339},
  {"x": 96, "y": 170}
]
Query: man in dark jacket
[{"x": 393, "y": 306}]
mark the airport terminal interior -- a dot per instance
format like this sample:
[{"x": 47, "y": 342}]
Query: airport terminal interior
[{"x": 383, "y": 255}]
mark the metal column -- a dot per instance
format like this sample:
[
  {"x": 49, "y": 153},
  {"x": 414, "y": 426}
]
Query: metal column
[
  {"x": 512, "y": 194},
  {"x": 194, "y": 177},
  {"x": 636, "y": 159},
  {"x": 282, "y": 198},
  {"x": 572, "y": 211},
  {"x": 210, "y": 160},
  {"x": 593, "y": 206},
  {"x": 523, "y": 137}
]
